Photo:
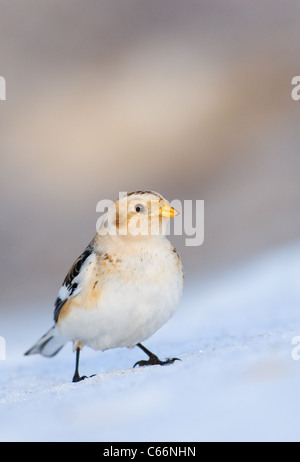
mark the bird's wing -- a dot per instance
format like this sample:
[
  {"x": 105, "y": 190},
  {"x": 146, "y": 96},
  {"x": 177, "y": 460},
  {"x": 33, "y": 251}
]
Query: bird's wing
[{"x": 72, "y": 284}]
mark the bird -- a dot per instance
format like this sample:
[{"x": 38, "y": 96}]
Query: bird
[{"x": 124, "y": 286}]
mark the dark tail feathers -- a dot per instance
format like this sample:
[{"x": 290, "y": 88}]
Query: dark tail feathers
[{"x": 48, "y": 345}]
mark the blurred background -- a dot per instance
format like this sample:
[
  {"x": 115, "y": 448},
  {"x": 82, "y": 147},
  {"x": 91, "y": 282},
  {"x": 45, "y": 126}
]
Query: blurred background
[{"x": 188, "y": 98}]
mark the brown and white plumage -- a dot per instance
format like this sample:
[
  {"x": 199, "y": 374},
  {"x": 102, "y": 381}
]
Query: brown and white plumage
[{"x": 124, "y": 286}]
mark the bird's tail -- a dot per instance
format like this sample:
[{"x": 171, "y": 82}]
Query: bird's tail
[{"x": 48, "y": 345}]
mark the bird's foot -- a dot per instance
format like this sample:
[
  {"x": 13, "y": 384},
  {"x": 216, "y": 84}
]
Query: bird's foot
[
  {"x": 78, "y": 378},
  {"x": 154, "y": 360}
]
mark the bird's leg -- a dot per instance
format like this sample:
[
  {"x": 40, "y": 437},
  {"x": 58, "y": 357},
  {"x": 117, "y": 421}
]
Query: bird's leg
[
  {"x": 76, "y": 376},
  {"x": 153, "y": 359}
]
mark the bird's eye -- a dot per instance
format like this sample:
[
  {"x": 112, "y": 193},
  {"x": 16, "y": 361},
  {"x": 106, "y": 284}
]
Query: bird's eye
[{"x": 139, "y": 208}]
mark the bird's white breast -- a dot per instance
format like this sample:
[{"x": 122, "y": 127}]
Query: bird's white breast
[{"x": 125, "y": 300}]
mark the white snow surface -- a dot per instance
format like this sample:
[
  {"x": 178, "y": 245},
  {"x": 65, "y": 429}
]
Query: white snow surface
[{"x": 236, "y": 381}]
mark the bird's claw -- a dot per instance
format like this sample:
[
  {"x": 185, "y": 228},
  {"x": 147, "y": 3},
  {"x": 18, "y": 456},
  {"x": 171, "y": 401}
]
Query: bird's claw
[{"x": 78, "y": 378}]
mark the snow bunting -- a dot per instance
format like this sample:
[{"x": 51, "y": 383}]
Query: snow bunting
[{"x": 124, "y": 286}]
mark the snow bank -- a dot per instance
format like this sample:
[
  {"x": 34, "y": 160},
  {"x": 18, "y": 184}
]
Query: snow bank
[{"x": 237, "y": 380}]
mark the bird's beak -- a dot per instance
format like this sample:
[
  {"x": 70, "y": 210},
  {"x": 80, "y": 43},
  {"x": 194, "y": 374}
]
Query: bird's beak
[{"x": 167, "y": 211}]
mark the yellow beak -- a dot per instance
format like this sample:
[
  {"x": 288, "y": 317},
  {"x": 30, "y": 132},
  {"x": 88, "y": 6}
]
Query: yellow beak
[{"x": 167, "y": 211}]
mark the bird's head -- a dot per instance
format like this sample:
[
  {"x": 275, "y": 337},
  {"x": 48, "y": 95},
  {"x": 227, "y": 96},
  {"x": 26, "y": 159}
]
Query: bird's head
[{"x": 140, "y": 213}]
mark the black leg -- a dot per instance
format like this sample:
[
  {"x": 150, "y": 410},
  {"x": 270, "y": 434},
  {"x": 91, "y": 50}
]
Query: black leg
[
  {"x": 153, "y": 359},
  {"x": 76, "y": 376}
]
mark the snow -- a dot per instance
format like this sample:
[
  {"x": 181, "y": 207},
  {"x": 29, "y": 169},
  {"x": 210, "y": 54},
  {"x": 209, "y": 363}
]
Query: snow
[{"x": 236, "y": 381}]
